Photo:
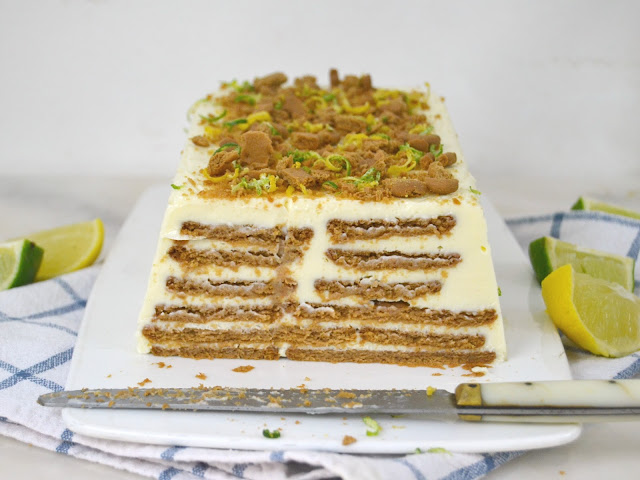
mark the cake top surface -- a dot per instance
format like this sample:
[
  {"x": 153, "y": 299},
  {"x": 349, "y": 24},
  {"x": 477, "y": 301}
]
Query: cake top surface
[{"x": 350, "y": 140}]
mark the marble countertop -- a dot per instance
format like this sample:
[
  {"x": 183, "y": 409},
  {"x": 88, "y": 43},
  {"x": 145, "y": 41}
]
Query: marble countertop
[{"x": 34, "y": 203}]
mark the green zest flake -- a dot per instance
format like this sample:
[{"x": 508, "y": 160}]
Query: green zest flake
[
  {"x": 176, "y": 187},
  {"x": 228, "y": 145},
  {"x": 339, "y": 158},
  {"x": 427, "y": 130},
  {"x": 300, "y": 156},
  {"x": 381, "y": 135},
  {"x": 438, "y": 450},
  {"x": 278, "y": 105},
  {"x": 248, "y": 99},
  {"x": 271, "y": 433},
  {"x": 240, "y": 87},
  {"x": 232, "y": 123},
  {"x": 473, "y": 190},
  {"x": 499, "y": 292},
  {"x": 369, "y": 179},
  {"x": 373, "y": 427},
  {"x": 328, "y": 97},
  {"x": 210, "y": 119},
  {"x": 417, "y": 450},
  {"x": 436, "y": 151},
  {"x": 257, "y": 184},
  {"x": 333, "y": 185},
  {"x": 415, "y": 154},
  {"x": 273, "y": 130}
]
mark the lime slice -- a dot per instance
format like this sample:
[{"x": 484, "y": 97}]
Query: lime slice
[
  {"x": 584, "y": 203},
  {"x": 548, "y": 253},
  {"x": 69, "y": 248},
  {"x": 19, "y": 263},
  {"x": 599, "y": 316}
]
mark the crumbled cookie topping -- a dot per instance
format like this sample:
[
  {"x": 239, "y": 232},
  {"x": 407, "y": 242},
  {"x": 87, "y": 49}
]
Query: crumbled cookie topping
[{"x": 352, "y": 140}]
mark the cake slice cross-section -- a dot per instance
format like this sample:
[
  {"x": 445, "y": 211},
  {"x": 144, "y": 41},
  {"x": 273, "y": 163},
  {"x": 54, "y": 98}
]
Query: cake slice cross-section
[{"x": 335, "y": 224}]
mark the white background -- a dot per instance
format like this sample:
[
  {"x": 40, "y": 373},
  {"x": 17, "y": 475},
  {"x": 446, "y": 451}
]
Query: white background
[{"x": 536, "y": 89}]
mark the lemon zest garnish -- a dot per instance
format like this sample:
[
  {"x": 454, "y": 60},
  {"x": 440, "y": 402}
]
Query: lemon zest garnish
[
  {"x": 255, "y": 117},
  {"x": 355, "y": 110},
  {"x": 219, "y": 179},
  {"x": 353, "y": 138},
  {"x": 212, "y": 133},
  {"x": 421, "y": 127},
  {"x": 289, "y": 191},
  {"x": 303, "y": 190},
  {"x": 272, "y": 184},
  {"x": 395, "y": 170},
  {"x": 315, "y": 99},
  {"x": 313, "y": 127}
]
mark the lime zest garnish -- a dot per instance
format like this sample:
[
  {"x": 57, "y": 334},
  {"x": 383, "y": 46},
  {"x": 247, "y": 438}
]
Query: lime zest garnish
[
  {"x": 248, "y": 99},
  {"x": 431, "y": 390},
  {"x": 228, "y": 145},
  {"x": 439, "y": 450},
  {"x": 412, "y": 153},
  {"x": 427, "y": 130},
  {"x": 328, "y": 97},
  {"x": 333, "y": 185},
  {"x": 273, "y": 129},
  {"x": 278, "y": 105},
  {"x": 265, "y": 182},
  {"x": 232, "y": 123},
  {"x": 473, "y": 190},
  {"x": 176, "y": 187},
  {"x": 381, "y": 135},
  {"x": 270, "y": 433},
  {"x": 373, "y": 427},
  {"x": 436, "y": 151},
  {"x": 417, "y": 450},
  {"x": 499, "y": 292},
  {"x": 240, "y": 87},
  {"x": 337, "y": 158},
  {"x": 210, "y": 119},
  {"x": 300, "y": 156}
]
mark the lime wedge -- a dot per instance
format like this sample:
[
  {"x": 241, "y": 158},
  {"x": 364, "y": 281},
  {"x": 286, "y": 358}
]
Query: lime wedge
[
  {"x": 69, "y": 248},
  {"x": 19, "y": 263},
  {"x": 548, "y": 253},
  {"x": 584, "y": 203},
  {"x": 599, "y": 316}
]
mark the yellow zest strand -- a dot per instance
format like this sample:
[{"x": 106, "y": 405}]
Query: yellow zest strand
[
  {"x": 289, "y": 191},
  {"x": 255, "y": 117},
  {"x": 272, "y": 184}
]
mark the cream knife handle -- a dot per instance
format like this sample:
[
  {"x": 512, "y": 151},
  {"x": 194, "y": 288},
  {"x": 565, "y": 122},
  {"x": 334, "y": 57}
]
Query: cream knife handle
[{"x": 579, "y": 396}]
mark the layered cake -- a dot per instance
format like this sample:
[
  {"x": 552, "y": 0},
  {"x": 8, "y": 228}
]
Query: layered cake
[{"x": 335, "y": 224}]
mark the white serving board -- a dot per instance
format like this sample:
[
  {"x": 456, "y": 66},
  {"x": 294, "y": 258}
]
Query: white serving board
[{"x": 105, "y": 357}]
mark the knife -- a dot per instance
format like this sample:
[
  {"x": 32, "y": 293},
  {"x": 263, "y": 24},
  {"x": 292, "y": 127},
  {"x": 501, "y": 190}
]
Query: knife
[{"x": 567, "y": 401}]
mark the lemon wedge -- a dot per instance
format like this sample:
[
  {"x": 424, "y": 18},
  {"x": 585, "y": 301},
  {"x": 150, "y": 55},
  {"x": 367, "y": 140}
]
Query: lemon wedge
[
  {"x": 68, "y": 248},
  {"x": 599, "y": 316}
]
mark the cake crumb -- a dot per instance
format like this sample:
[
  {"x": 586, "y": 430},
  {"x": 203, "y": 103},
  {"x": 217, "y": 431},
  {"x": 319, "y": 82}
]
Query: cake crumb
[
  {"x": 348, "y": 440},
  {"x": 437, "y": 374},
  {"x": 307, "y": 379},
  {"x": 165, "y": 406},
  {"x": 297, "y": 422},
  {"x": 201, "y": 376},
  {"x": 144, "y": 382},
  {"x": 111, "y": 404},
  {"x": 243, "y": 369},
  {"x": 160, "y": 364},
  {"x": 562, "y": 472}
]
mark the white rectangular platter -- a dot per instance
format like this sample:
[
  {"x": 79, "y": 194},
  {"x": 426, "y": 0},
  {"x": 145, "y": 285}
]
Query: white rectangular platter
[{"x": 105, "y": 357}]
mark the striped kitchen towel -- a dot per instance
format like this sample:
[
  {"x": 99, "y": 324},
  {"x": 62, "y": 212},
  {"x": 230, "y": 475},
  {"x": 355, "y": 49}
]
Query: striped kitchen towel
[{"x": 38, "y": 329}]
